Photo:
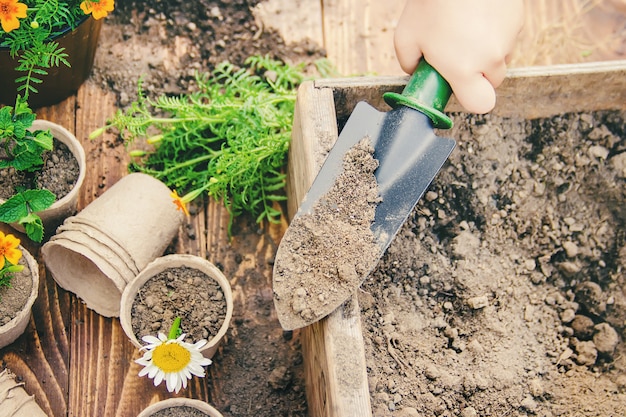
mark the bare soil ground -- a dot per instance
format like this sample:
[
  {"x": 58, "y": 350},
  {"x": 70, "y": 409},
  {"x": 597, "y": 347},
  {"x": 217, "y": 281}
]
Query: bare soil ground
[
  {"x": 503, "y": 295},
  {"x": 165, "y": 42}
]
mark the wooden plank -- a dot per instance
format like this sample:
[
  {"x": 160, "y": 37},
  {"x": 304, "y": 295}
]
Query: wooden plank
[
  {"x": 295, "y": 20},
  {"x": 358, "y": 35},
  {"x": 569, "y": 88},
  {"x": 570, "y": 31},
  {"x": 532, "y": 92},
  {"x": 313, "y": 115},
  {"x": 328, "y": 361}
]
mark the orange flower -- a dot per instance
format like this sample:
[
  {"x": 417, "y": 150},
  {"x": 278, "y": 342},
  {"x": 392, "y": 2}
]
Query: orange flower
[
  {"x": 178, "y": 201},
  {"x": 97, "y": 8},
  {"x": 9, "y": 250},
  {"x": 10, "y": 11}
]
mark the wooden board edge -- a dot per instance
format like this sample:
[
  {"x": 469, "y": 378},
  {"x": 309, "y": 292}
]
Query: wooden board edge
[
  {"x": 328, "y": 360},
  {"x": 314, "y": 129},
  {"x": 569, "y": 87},
  {"x": 335, "y": 368}
]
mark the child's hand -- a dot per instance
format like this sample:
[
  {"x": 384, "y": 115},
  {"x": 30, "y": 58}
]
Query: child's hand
[{"x": 466, "y": 41}]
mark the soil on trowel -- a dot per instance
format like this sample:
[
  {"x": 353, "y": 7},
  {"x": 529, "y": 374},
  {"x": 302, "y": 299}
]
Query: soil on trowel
[
  {"x": 504, "y": 293},
  {"x": 325, "y": 254}
]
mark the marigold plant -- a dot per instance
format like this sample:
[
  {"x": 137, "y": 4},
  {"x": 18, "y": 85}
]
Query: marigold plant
[
  {"x": 10, "y": 256},
  {"x": 28, "y": 29}
]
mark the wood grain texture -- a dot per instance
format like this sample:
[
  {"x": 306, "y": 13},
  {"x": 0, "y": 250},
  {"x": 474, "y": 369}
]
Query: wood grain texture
[
  {"x": 358, "y": 35},
  {"x": 312, "y": 114},
  {"x": 295, "y": 20},
  {"x": 334, "y": 366}
]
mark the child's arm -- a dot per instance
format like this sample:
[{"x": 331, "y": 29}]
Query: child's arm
[{"x": 467, "y": 41}]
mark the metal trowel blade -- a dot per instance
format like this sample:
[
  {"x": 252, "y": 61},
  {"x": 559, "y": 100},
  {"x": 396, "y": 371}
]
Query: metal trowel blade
[{"x": 409, "y": 156}]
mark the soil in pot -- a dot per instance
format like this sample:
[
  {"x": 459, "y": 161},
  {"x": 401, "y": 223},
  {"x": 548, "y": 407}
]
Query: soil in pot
[
  {"x": 179, "y": 292},
  {"x": 503, "y": 294},
  {"x": 14, "y": 297},
  {"x": 182, "y": 411},
  {"x": 59, "y": 174}
]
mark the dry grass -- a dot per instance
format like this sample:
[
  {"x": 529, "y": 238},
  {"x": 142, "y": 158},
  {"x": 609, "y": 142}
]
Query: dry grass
[{"x": 570, "y": 31}]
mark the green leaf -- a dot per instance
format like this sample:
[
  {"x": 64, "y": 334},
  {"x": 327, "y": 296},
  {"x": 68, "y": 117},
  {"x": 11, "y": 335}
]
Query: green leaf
[
  {"x": 38, "y": 200},
  {"x": 22, "y": 204},
  {"x": 44, "y": 139},
  {"x": 33, "y": 226},
  {"x": 13, "y": 209}
]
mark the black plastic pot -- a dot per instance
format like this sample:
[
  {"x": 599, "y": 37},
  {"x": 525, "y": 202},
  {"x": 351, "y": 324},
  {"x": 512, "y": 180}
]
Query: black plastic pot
[{"x": 62, "y": 81}]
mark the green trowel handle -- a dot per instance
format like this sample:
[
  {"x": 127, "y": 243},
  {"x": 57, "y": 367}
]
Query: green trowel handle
[{"x": 427, "y": 92}]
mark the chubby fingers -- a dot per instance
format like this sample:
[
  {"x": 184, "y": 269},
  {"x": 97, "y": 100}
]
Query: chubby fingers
[
  {"x": 475, "y": 93},
  {"x": 408, "y": 51},
  {"x": 474, "y": 89},
  {"x": 473, "y": 86}
]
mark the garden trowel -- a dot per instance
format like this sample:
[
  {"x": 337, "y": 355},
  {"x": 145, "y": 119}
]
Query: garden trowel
[{"x": 409, "y": 155}]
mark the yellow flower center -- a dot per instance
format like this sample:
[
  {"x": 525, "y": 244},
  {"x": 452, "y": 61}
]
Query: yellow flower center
[{"x": 171, "y": 357}]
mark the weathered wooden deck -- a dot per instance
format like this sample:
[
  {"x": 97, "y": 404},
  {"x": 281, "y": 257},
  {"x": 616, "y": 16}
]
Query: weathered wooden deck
[{"x": 77, "y": 363}]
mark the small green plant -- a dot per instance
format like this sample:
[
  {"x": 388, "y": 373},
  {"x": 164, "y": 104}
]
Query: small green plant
[
  {"x": 28, "y": 28},
  {"x": 22, "y": 149},
  {"x": 10, "y": 256},
  {"x": 229, "y": 138}
]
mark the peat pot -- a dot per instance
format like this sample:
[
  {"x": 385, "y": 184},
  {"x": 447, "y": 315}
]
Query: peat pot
[
  {"x": 97, "y": 252},
  {"x": 180, "y": 403},
  {"x": 66, "y": 205},
  {"x": 10, "y": 331},
  {"x": 15, "y": 400},
  {"x": 204, "y": 270},
  {"x": 61, "y": 82}
]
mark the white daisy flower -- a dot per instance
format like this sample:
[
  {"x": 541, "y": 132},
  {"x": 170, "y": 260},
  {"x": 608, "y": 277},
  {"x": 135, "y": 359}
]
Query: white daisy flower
[{"x": 172, "y": 361}]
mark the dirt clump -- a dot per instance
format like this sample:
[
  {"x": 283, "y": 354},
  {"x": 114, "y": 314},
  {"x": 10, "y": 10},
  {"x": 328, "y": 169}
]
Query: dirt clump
[
  {"x": 503, "y": 294},
  {"x": 165, "y": 42},
  {"x": 325, "y": 254}
]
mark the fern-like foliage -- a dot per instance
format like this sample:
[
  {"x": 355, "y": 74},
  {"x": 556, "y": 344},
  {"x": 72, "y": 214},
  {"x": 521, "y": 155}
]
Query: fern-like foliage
[
  {"x": 34, "y": 63},
  {"x": 229, "y": 138}
]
